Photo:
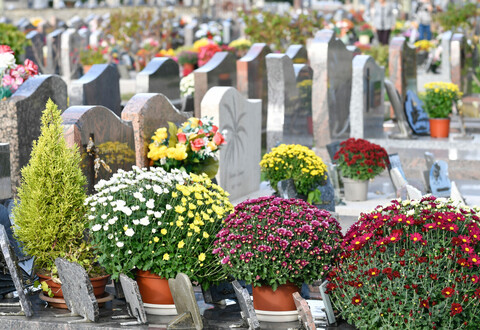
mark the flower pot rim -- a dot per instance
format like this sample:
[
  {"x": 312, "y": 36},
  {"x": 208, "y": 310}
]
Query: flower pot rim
[{"x": 48, "y": 277}]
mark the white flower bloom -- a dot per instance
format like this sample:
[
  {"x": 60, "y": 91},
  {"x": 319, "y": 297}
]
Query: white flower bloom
[
  {"x": 126, "y": 210},
  {"x": 129, "y": 232},
  {"x": 136, "y": 222},
  {"x": 129, "y": 251},
  {"x": 92, "y": 209},
  {"x": 91, "y": 217},
  {"x": 154, "y": 231},
  {"x": 120, "y": 244},
  {"x": 97, "y": 227},
  {"x": 168, "y": 207},
  {"x": 104, "y": 216},
  {"x": 159, "y": 223},
  {"x": 151, "y": 203},
  {"x": 144, "y": 221},
  {"x": 138, "y": 195},
  {"x": 158, "y": 214},
  {"x": 110, "y": 198},
  {"x": 110, "y": 236},
  {"x": 105, "y": 227},
  {"x": 112, "y": 221},
  {"x": 411, "y": 212},
  {"x": 150, "y": 212},
  {"x": 158, "y": 190}
]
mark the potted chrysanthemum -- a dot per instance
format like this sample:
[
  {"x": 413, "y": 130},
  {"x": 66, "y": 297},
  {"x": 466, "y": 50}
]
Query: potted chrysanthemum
[
  {"x": 410, "y": 264},
  {"x": 157, "y": 224},
  {"x": 276, "y": 245}
]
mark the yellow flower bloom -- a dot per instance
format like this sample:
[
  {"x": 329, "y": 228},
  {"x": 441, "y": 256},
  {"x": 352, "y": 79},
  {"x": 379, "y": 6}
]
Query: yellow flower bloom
[
  {"x": 163, "y": 231},
  {"x": 166, "y": 256},
  {"x": 201, "y": 257},
  {"x": 156, "y": 239},
  {"x": 181, "y": 244},
  {"x": 205, "y": 235}
]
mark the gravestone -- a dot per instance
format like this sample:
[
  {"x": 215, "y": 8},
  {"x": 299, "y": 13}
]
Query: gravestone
[
  {"x": 227, "y": 31},
  {"x": 399, "y": 110},
  {"x": 246, "y": 306},
  {"x": 252, "y": 79},
  {"x": 367, "y": 99},
  {"x": 298, "y": 126},
  {"x": 446, "y": 53},
  {"x": 439, "y": 181},
  {"x": 402, "y": 66},
  {"x": 15, "y": 273},
  {"x": 304, "y": 312},
  {"x": 429, "y": 160},
  {"x": 54, "y": 45},
  {"x": 70, "y": 58},
  {"x": 20, "y": 117},
  {"x": 40, "y": 4},
  {"x": 113, "y": 140},
  {"x": 95, "y": 38},
  {"x": 147, "y": 113},
  {"x": 399, "y": 182},
  {"x": 77, "y": 290},
  {"x": 161, "y": 75},
  {"x": 5, "y": 180},
  {"x": 185, "y": 303},
  {"x": 459, "y": 70},
  {"x": 134, "y": 301},
  {"x": 331, "y": 320},
  {"x": 76, "y": 22},
  {"x": 394, "y": 162},
  {"x": 99, "y": 86},
  {"x": 327, "y": 195},
  {"x": 332, "y": 149},
  {"x": 298, "y": 54},
  {"x": 331, "y": 90},
  {"x": 413, "y": 193},
  {"x": 189, "y": 32},
  {"x": 34, "y": 52},
  {"x": 417, "y": 117},
  {"x": 238, "y": 172},
  {"x": 286, "y": 189},
  {"x": 219, "y": 71}
]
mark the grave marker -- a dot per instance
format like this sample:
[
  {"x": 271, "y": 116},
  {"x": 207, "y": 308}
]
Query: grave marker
[
  {"x": 161, "y": 75},
  {"x": 70, "y": 54},
  {"x": 398, "y": 180},
  {"x": 134, "y": 302},
  {"x": 297, "y": 53},
  {"x": 394, "y": 162},
  {"x": 54, "y": 51},
  {"x": 238, "y": 172},
  {"x": 185, "y": 303},
  {"x": 99, "y": 86},
  {"x": 332, "y": 149},
  {"x": 458, "y": 63},
  {"x": 417, "y": 117},
  {"x": 439, "y": 181},
  {"x": 34, "y": 52},
  {"x": 402, "y": 66},
  {"x": 246, "y": 305},
  {"x": 304, "y": 313},
  {"x": 5, "y": 180},
  {"x": 328, "y": 304},
  {"x": 189, "y": 32},
  {"x": 446, "y": 53},
  {"x": 398, "y": 109}
]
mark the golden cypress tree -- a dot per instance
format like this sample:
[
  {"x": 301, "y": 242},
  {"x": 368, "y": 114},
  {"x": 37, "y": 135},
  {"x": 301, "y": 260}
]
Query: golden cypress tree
[{"x": 49, "y": 213}]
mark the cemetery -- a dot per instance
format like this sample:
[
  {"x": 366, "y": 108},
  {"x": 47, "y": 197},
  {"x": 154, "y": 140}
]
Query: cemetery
[{"x": 251, "y": 165}]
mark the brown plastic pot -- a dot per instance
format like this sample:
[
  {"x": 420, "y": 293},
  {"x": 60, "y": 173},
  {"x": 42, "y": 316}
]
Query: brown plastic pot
[
  {"x": 264, "y": 298},
  {"x": 153, "y": 288},
  {"x": 439, "y": 127}
]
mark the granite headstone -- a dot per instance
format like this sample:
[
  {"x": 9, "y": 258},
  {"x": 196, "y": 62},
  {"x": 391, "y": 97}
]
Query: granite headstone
[
  {"x": 185, "y": 303},
  {"x": 70, "y": 58},
  {"x": 246, "y": 306},
  {"x": 161, "y": 75},
  {"x": 446, "y": 67},
  {"x": 413, "y": 193},
  {"x": 331, "y": 320},
  {"x": 402, "y": 66},
  {"x": 34, "y": 52},
  {"x": 439, "y": 182},
  {"x": 417, "y": 117},
  {"x": 298, "y": 54},
  {"x": 54, "y": 43},
  {"x": 304, "y": 312},
  {"x": 5, "y": 180},
  {"x": 399, "y": 110},
  {"x": 133, "y": 299},
  {"x": 394, "y": 162}
]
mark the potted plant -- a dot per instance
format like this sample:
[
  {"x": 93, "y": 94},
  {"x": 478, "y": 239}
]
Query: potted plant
[
  {"x": 439, "y": 99},
  {"x": 241, "y": 46},
  {"x": 188, "y": 60},
  {"x": 365, "y": 33},
  {"x": 49, "y": 210},
  {"x": 298, "y": 163},
  {"x": 411, "y": 264},
  {"x": 92, "y": 55},
  {"x": 422, "y": 48},
  {"x": 359, "y": 161},
  {"x": 193, "y": 147},
  {"x": 276, "y": 245},
  {"x": 157, "y": 224},
  {"x": 13, "y": 75}
]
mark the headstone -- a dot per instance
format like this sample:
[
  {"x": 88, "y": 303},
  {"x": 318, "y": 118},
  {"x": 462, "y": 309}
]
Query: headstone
[
  {"x": 429, "y": 159},
  {"x": 298, "y": 54},
  {"x": 5, "y": 180},
  {"x": 332, "y": 149},
  {"x": 367, "y": 99},
  {"x": 399, "y": 110},
  {"x": 133, "y": 299},
  {"x": 304, "y": 312},
  {"x": 439, "y": 181},
  {"x": 20, "y": 117},
  {"x": 239, "y": 172},
  {"x": 331, "y": 90},
  {"x": 458, "y": 69},
  {"x": 227, "y": 31},
  {"x": 327, "y": 195},
  {"x": 246, "y": 306},
  {"x": 189, "y": 32},
  {"x": 34, "y": 52},
  {"x": 446, "y": 51},
  {"x": 413, "y": 193},
  {"x": 71, "y": 44},
  {"x": 219, "y": 71},
  {"x": 54, "y": 51},
  {"x": 394, "y": 162},
  {"x": 252, "y": 79},
  {"x": 95, "y": 38},
  {"x": 456, "y": 195},
  {"x": 113, "y": 140},
  {"x": 417, "y": 117},
  {"x": 328, "y": 304},
  {"x": 15, "y": 273},
  {"x": 185, "y": 303},
  {"x": 334, "y": 179},
  {"x": 40, "y": 4},
  {"x": 76, "y": 22},
  {"x": 148, "y": 112},
  {"x": 59, "y": 4},
  {"x": 99, "y": 86},
  {"x": 402, "y": 66},
  {"x": 161, "y": 75},
  {"x": 398, "y": 180},
  {"x": 77, "y": 290}
]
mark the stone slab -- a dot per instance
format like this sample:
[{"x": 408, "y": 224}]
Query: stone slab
[
  {"x": 304, "y": 312},
  {"x": 133, "y": 299},
  {"x": 185, "y": 303},
  {"x": 246, "y": 305}
]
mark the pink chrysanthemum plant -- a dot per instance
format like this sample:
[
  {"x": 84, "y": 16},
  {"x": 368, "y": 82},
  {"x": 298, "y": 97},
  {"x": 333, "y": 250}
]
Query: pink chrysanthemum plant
[
  {"x": 411, "y": 264},
  {"x": 272, "y": 241}
]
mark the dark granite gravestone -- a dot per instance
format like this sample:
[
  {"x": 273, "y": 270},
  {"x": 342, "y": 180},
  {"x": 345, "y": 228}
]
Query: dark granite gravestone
[
  {"x": 15, "y": 273},
  {"x": 417, "y": 117},
  {"x": 34, "y": 52},
  {"x": 134, "y": 302},
  {"x": 332, "y": 149},
  {"x": 5, "y": 180},
  {"x": 399, "y": 110},
  {"x": 328, "y": 304},
  {"x": 113, "y": 140},
  {"x": 286, "y": 189},
  {"x": 77, "y": 290},
  {"x": 54, "y": 43},
  {"x": 394, "y": 162},
  {"x": 327, "y": 195},
  {"x": 402, "y": 66},
  {"x": 446, "y": 38},
  {"x": 185, "y": 303},
  {"x": 246, "y": 305},
  {"x": 304, "y": 312},
  {"x": 100, "y": 86},
  {"x": 298, "y": 54},
  {"x": 161, "y": 75},
  {"x": 20, "y": 117},
  {"x": 147, "y": 113},
  {"x": 252, "y": 79},
  {"x": 221, "y": 70},
  {"x": 439, "y": 182}
]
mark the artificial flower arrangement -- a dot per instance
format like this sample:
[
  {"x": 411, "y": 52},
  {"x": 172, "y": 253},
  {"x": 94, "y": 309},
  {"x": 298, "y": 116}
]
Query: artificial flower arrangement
[
  {"x": 13, "y": 75},
  {"x": 167, "y": 53},
  {"x": 187, "y": 85},
  {"x": 423, "y": 45},
  {"x": 241, "y": 46},
  {"x": 193, "y": 147},
  {"x": 360, "y": 160},
  {"x": 158, "y": 221},
  {"x": 297, "y": 162},
  {"x": 412, "y": 264},
  {"x": 93, "y": 55},
  {"x": 272, "y": 241},
  {"x": 187, "y": 57},
  {"x": 439, "y": 98},
  {"x": 365, "y": 30}
]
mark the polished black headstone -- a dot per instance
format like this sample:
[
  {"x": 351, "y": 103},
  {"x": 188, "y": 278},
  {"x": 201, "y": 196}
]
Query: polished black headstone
[{"x": 416, "y": 116}]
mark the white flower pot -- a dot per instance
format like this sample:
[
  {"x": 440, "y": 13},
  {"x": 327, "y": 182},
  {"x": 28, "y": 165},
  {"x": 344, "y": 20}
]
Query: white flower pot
[
  {"x": 160, "y": 309},
  {"x": 277, "y": 317},
  {"x": 355, "y": 190}
]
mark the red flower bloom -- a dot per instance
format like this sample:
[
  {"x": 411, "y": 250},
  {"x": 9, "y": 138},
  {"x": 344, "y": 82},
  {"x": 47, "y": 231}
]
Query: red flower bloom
[
  {"x": 416, "y": 237},
  {"x": 6, "y": 49},
  {"x": 425, "y": 303},
  {"x": 374, "y": 272},
  {"x": 448, "y": 292},
  {"x": 455, "y": 309},
  {"x": 356, "y": 300}
]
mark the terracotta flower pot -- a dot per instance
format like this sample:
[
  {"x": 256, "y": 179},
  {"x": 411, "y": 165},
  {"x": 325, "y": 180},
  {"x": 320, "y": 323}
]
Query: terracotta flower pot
[
  {"x": 275, "y": 306},
  {"x": 439, "y": 127},
  {"x": 155, "y": 293}
]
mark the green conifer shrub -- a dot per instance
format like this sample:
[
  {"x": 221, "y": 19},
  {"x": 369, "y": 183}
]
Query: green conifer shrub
[{"x": 49, "y": 212}]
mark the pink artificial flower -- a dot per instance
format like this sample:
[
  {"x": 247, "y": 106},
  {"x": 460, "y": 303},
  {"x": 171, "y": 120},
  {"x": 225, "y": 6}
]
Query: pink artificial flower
[
  {"x": 197, "y": 144},
  {"x": 31, "y": 67},
  {"x": 182, "y": 138},
  {"x": 218, "y": 139},
  {"x": 6, "y": 49},
  {"x": 8, "y": 80}
]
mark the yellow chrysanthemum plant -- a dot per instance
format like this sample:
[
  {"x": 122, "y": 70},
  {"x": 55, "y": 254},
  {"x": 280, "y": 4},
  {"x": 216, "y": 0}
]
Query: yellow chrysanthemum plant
[
  {"x": 193, "y": 147},
  {"x": 439, "y": 98},
  {"x": 297, "y": 162},
  {"x": 158, "y": 221}
]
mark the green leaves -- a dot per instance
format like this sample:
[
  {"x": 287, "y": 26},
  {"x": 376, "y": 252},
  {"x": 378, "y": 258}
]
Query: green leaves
[
  {"x": 172, "y": 131},
  {"x": 314, "y": 197}
]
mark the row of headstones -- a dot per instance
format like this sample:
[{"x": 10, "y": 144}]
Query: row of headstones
[{"x": 91, "y": 4}]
